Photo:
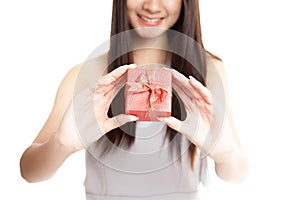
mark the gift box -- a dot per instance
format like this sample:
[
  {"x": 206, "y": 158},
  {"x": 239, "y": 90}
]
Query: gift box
[{"x": 148, "y": 93}]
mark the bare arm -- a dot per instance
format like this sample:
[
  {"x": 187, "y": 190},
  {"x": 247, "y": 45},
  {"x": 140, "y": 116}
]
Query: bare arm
[
  {"x": 230, "y": 160},
  {"x": 59, "y": 137},
  {"x": 232, "y": 164},
  {"x": 45, "y": 155},
  {"x": 40, "y": 161}
]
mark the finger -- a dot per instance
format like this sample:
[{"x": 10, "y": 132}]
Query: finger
[
  {"x": 201, "y": 89},
  {"x": 120, "y": 120},
  {"x": 103, "y": 101},
  {"x": 179, "y": 78},
  {"x": 181, "y": 81},
  {"x": 172, "y": 122},
  {"x": 102, "y": 90},
  {"x": 115, "y": 74},
  {"x": 187, "y": 101},
  {"x": 115, "y": 89}
]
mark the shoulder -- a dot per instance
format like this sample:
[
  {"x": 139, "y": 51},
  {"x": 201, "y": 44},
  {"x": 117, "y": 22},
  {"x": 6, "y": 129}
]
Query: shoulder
[
  {"x": 214, "y": 66},
  {"x": 76, "y": 78},
  {"x": 215, "y": 71},
  {"x": 216, "y": 79},
  {"x": 65, "y": 93},
  {"x": 89, "y": 67},
  {"x": 83, "y": 73}
]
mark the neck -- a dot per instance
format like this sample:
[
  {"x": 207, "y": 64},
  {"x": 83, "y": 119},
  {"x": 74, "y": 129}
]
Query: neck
[
  {"x": 150, "y": 51},
  {"x": 150, "y": 56}
]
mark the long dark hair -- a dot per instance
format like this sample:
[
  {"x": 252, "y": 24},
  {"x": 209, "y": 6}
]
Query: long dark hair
[{"x": 188, "y": 24}]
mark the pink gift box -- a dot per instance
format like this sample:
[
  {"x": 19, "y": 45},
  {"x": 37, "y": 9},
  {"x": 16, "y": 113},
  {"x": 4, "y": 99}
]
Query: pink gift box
[{"x": 148, "y": 93}]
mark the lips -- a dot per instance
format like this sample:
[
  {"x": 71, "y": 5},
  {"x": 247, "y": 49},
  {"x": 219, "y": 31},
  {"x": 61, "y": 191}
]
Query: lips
[{"x": 149, "y": 21}]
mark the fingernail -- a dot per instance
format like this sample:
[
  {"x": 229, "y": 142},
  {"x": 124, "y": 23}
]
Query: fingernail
[
  {"x": 132, "y": 65},
  {"x": 133, "y": 118},
  {"x": 192, "y": 78},
  {"x": 160, "y": 119}
]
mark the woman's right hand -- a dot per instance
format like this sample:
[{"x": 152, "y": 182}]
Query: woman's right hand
[{"x": 86, "y": 120}]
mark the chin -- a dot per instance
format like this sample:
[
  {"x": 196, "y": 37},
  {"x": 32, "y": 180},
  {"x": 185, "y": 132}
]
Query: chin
[{"x": 150, "y": 32}]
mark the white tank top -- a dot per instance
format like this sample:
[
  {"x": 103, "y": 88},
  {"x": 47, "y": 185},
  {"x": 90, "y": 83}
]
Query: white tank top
[{"x": 148, "y": 170}]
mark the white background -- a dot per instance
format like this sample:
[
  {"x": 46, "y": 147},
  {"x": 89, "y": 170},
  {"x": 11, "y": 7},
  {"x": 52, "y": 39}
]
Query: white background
[{"x": 258, "y": 41}]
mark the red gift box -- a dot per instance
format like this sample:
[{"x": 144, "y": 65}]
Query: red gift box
[{"x": 148, "y": 93}]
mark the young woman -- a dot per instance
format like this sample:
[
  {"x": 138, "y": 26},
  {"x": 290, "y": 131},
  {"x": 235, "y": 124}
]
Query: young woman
[{"x": 126, "y": 158}]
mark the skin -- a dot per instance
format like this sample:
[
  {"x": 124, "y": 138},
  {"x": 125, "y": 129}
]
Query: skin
[
  {"x": 230, "y": 160},
  {"x": 231, "y": 163},
  {"x": 156, "y": 14},
  {"x": 58, "y": 138}
]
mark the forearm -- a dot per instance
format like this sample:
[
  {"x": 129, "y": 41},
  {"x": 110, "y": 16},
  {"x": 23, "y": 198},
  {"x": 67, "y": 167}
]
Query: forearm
[
  {"x": 231, "y": 162},
  {"x": 40, "y": 161},
  {"x": 232, "y": 166}
]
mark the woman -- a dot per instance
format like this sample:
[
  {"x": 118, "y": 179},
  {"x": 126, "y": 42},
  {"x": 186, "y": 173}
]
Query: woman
[{"x": 151, "y": 30}]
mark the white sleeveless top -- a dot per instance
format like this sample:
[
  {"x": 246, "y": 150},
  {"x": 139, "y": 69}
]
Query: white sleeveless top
[{"x": 148, "y": 170}]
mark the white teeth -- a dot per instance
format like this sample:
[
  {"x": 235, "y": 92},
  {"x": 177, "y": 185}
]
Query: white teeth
[{"x": 150, "y": 20}]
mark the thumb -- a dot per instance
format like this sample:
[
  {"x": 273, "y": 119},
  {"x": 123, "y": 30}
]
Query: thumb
[
  {"x": 172, "y": 122},
  {"x": 120, "y": 120}
]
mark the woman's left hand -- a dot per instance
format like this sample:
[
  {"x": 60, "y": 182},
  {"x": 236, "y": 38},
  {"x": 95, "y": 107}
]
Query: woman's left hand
[
  {"x": 200, "y": 107},
  {"x": 208, "y": 126}
]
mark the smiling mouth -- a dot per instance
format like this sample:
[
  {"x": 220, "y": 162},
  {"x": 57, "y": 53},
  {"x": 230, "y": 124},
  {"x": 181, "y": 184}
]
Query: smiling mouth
[{"x": 150, "y": 21}]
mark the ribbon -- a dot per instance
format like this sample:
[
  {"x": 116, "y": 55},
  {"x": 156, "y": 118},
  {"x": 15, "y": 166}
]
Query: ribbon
[{"x": 146, "y": 83}]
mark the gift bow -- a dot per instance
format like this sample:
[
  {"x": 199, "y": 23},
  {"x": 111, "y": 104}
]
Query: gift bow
[{"x": 145, "y": 83}]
